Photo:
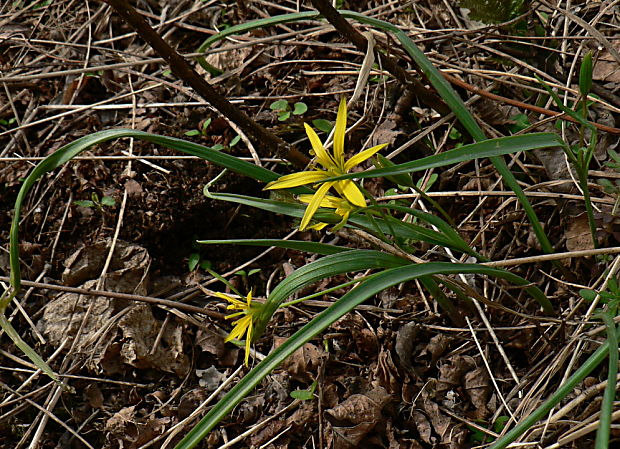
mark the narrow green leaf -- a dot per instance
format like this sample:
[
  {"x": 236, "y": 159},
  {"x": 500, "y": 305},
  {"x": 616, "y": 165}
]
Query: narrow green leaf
[
  {"x": 609, "y": 396},
  {"x": 585, "y": 74},
  {"x": 486, "y": 148},
  {"x": 248, "y": 26},
  {"x": 565, "y": 389},
  {"x": 298, "y": 245}
]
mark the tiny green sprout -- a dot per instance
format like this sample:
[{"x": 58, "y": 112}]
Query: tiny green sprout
[
  {"x": 10, "y": 122},
  {"x": 520, "y": 122},
  {"x": 192, "y": 263},
  {"x": 196, "y": 260},
  {"x": 202, "y": 131},
  {"x": 304, "y": 395},
  {"x": 455, "y": 134},
  {"x": 96, "y": 202},
  {"x": 585, "y": 74},
  {"x": 283, "y": 109},
  {"x": 234, "y": 141}
]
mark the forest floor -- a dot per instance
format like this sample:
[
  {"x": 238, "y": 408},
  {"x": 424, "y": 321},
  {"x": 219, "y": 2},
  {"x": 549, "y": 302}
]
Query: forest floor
[{"x": 124, "y": 217}]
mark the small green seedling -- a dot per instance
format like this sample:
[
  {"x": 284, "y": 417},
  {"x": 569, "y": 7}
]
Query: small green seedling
[
  {"x": 304, "y": 395},
  {"x": 202, "y": 131},
  {"x": 284, "y": 111},
  {"x": 96, "y": 202},
  {"x": 520, "y": 122},
  {"x": 7, "y": 123},
  {"x": 196, "y": 260}
]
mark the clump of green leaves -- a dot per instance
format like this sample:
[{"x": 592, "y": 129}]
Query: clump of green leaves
[
  {"x": 284, "y": 110},
  {"x": 96, "y": 202},
  {"x": 8, "y": 122},
  {"x": 201, "y": 131}
]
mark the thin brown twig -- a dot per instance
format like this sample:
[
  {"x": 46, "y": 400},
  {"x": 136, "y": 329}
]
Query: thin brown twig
[
  {"x": 127, "y": 296},
  {"x": 181, "y": 68}
]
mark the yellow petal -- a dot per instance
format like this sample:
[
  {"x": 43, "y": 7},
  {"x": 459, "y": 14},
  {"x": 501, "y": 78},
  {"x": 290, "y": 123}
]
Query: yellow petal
[
  {"x": 362, "y": 156},
  {"x": 340, "y": 129},
  {"x": 248, "y": 342},
  {"x": 240, "y": 328},
  {"x": 226, "y": 297},
  {"x": 297, "y": 179},
  {"x": 319, "y": 150},
  {"x": 249, "y": 299},
  {"x": 317, "y": 226},
  {"x": 314, "y": 204},
  {"x": 234, "y": 315},
  {"x": 328, "y": 201},
  {"x": 351, "y": 192}
]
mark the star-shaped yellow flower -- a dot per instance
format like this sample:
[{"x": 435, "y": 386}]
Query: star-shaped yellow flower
[
  {"x": 243, "y": 325},
  {"x": 342, "y": 207},
  {"x": 333, "y": 164}
]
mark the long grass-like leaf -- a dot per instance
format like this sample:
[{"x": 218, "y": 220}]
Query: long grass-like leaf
[
  {"x": 453, "y": 237},
  {"x": 609, "y": 396},
  {"x": 68, "y": 152},
  {"x": 311, "y": 247},
  {"x": 385, "y": 226},
  {"x": 486, "y": 148},
  {"x": 347, "y": 262},
  {"x": 367, "y": 288},
  {"x": 462, "y": 114}
]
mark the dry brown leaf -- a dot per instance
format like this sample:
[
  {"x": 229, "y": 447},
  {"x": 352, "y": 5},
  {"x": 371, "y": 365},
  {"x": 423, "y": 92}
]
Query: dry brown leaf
[
  {"x": 210, "y": 379},
  {"x": 354, "y": 418},
  {"x": 63, "y": 316},
  {"x": 386, "y": 373},
  {"x": 440, "y": 422},
  {"x": 606, "y": 68},
  {"x": 93, "y": 396},
  {"x": 350, "y": 437},
  {"x": 127, "y": 272},
  {"x": 304, "y": 414},
  {"x": 190, "y": 402},
  {"x": 210, "y": 340},
  {"x": 577, "y": 234},
  {"x": 451, "y": 372},
  {"x": 302, "y": 365},
  {"x": 140, "y": 329},
  {"x": 386, "y": 132},
  {"x": 423, "y": 425},
  {"x": 405, "y": 342},
  {"x": 478, "y": 388}
]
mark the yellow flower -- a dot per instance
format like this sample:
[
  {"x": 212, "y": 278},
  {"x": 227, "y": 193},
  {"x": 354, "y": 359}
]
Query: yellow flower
[
  {"x": 333, "y": 164},
  {"x": 243, "y": 325},
  {"x": 342, "y": 207}
]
